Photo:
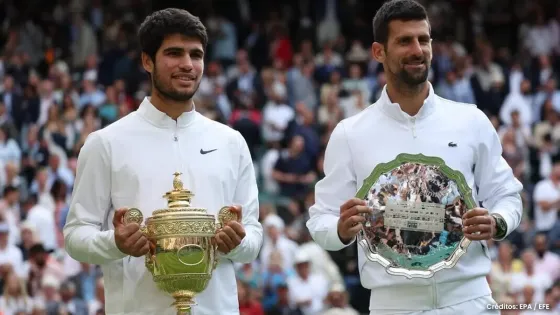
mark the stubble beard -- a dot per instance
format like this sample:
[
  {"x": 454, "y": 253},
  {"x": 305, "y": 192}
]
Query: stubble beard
[
  {"x": 413, "y": 81},
  {"x": 169, "y": 93}
]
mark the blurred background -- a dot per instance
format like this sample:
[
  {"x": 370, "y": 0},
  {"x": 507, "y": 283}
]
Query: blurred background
[{"x": 283, "y": 73}]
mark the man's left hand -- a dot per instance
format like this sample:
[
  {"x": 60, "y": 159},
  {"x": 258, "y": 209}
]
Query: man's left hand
[
  {"x": 479, "y": 225},
  {"x": 231, "y": 235}
]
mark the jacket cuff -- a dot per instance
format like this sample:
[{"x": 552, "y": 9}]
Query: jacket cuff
[
  {"x": 332, "y": 239},
  {"x": 112, "y": 248}
]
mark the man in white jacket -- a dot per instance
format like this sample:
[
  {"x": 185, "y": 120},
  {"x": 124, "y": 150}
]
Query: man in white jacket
[
  {"x": 131, "y": 164},
  {"x": 410, "y": 118}
]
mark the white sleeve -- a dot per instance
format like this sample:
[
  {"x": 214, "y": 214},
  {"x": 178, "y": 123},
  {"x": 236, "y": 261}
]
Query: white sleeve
[
  {"x": 338, "y": 186},
  {"x": 247, "y": 195},
  {"x": 498, "y": 189},
  {"x": 91, "y": 199}
]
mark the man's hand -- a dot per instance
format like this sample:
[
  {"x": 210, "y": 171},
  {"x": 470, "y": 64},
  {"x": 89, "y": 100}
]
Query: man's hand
[
  {"x": 307, "y": 178},
  {"x": 129, "y": 238},
  {"x": 478, "y": 220},
  {"x": 231, "y": 235},
  {"x": 351, "y": 219}
]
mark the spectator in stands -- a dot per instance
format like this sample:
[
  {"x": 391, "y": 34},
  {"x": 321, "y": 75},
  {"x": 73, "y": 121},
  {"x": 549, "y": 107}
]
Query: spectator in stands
[
  {"x": 11, "y": 258},
  {"x": 248, "y": 305},
  {"x": 307, "y": 290},
  {"x": 68, "y": 302},
  {"x": 537, "y": 279},
  {"x": 294, "y": 170},
  {"x": 547, "y": 201},
  {"x": 337, "y": 302},
  {"x": 546, "y": 260},
  {"x": 14, "y": 297}
]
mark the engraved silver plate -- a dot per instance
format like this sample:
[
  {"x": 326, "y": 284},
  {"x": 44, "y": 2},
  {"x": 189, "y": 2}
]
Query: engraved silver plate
[{"x": 415, "y": 229}]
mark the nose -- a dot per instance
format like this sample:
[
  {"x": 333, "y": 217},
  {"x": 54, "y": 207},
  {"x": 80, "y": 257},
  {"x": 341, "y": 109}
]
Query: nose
[
  {"x": 186, "y": 63},
  {"x": 416, "y": 48}
]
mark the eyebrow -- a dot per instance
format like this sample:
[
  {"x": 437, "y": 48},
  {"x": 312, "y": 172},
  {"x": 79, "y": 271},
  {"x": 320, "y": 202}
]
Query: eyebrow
[
  {"x": 181, "y": 49},
  {"x": 409, "y": 36}
]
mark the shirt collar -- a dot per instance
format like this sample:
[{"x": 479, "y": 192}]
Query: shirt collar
[
  {"x": 394, "y": 109},
  {"x": 160, "y": 119}
]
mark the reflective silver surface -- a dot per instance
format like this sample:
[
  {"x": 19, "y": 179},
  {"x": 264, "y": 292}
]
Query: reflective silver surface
[{"x": 416, "y": 226}]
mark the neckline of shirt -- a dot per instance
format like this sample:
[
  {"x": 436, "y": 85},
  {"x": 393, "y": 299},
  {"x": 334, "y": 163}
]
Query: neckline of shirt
[
  {"x": 394, "y": 110},
  {"x": 160, "y": 119}
]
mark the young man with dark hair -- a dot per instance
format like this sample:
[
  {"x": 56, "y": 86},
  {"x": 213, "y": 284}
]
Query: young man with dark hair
[
  {"x": 412, "y": 119},
  {"x": 131, "y": 163}
]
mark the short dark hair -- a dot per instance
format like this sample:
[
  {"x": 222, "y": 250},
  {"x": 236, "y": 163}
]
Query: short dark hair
[
  {"x": 37, "y": 249},
  {"x": 9, "y": 189},
  {"x": 404, "y": 10},
  {"x": 167, "y": 22}
]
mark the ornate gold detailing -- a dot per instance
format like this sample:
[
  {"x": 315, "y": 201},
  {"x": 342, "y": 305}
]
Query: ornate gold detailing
[
  {"x": 171, "y": 228},
  {"x": 133, "y": 215},
  {"x": 179, "y": 197},
  {"x": 177, "y": 182},
  {"x": 225, "y": 215},
  {"x": 182, "y": 255}
]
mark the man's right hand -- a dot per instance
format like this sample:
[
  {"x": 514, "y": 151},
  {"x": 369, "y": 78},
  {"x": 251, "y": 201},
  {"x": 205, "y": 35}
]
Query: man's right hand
[
  {"x": 129, "y": 238},
  {"x": 351, "y": 219}
]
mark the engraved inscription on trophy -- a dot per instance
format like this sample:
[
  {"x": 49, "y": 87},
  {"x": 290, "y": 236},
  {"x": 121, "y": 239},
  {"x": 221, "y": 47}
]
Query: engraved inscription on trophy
[
  {"x": 415, "y": 228},
  {"x": 421, "y": 216}
]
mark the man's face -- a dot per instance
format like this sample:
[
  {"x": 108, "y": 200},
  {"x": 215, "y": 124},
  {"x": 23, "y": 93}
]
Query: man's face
[
  {"x": 407, "y": 56},
  {"x": 540, "y": 244},
  {"x": 8, "y": 83},
  {"x": 40, "y": 259},
  {"x": 178, "y": 67},
  {"x": 273, "y": 233},
  {"x": 303, "y": 269},
  {"x": 12, "y": 197}
]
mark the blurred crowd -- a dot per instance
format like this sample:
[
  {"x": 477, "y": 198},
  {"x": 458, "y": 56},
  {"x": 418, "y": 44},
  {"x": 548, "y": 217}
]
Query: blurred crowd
[{"x": 283, "y": 74}]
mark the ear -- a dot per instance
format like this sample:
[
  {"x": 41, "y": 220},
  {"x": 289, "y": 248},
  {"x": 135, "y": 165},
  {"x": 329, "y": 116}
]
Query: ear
[
  {"x": 378, "y": 52},
  {"x": 147, "y": 63}
]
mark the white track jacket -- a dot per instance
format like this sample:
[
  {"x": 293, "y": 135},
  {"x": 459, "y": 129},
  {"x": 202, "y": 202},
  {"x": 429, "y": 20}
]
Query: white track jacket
[
  {"x": 130, "y": 163},
  {"x": 377, "y": 135}
]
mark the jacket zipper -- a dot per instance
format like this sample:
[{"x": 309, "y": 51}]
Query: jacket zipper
[
  {"x": 413, "y": 121},
  {"x": 176, "y": 147}
]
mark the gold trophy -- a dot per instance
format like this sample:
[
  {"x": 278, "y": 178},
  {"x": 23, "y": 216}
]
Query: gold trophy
[{"x": 182, "y": 255}]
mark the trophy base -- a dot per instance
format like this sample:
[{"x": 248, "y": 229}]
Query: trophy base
[{"x": 184, "y": 300}]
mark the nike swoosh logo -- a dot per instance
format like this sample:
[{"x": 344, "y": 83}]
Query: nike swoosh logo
[{"x": 206, "y": 152}]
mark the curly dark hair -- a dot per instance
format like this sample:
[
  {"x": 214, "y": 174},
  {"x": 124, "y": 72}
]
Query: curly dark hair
[
  {"x": 163, "y": 23},
  {"x": 403, "y": 10}
]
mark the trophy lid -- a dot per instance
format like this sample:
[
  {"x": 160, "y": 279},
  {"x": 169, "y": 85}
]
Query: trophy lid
[{"x": 179, "y": 199}]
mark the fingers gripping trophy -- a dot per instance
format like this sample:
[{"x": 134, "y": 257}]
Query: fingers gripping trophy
[{"x": 177, "y": 242}]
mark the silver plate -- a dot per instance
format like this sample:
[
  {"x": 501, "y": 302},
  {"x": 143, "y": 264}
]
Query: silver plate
[{"x": 415, "y": 229}]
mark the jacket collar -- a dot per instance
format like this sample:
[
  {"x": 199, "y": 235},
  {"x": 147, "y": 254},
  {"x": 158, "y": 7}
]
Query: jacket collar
[
  {"x": 394, "y": 110},
  {"x": 160, "y": 119}
]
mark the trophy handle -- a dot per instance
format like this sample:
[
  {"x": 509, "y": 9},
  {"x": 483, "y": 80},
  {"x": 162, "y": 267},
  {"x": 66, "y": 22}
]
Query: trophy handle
[
  {"x": 134, "y": 215},
  {"x": 225, "y": 215}
]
